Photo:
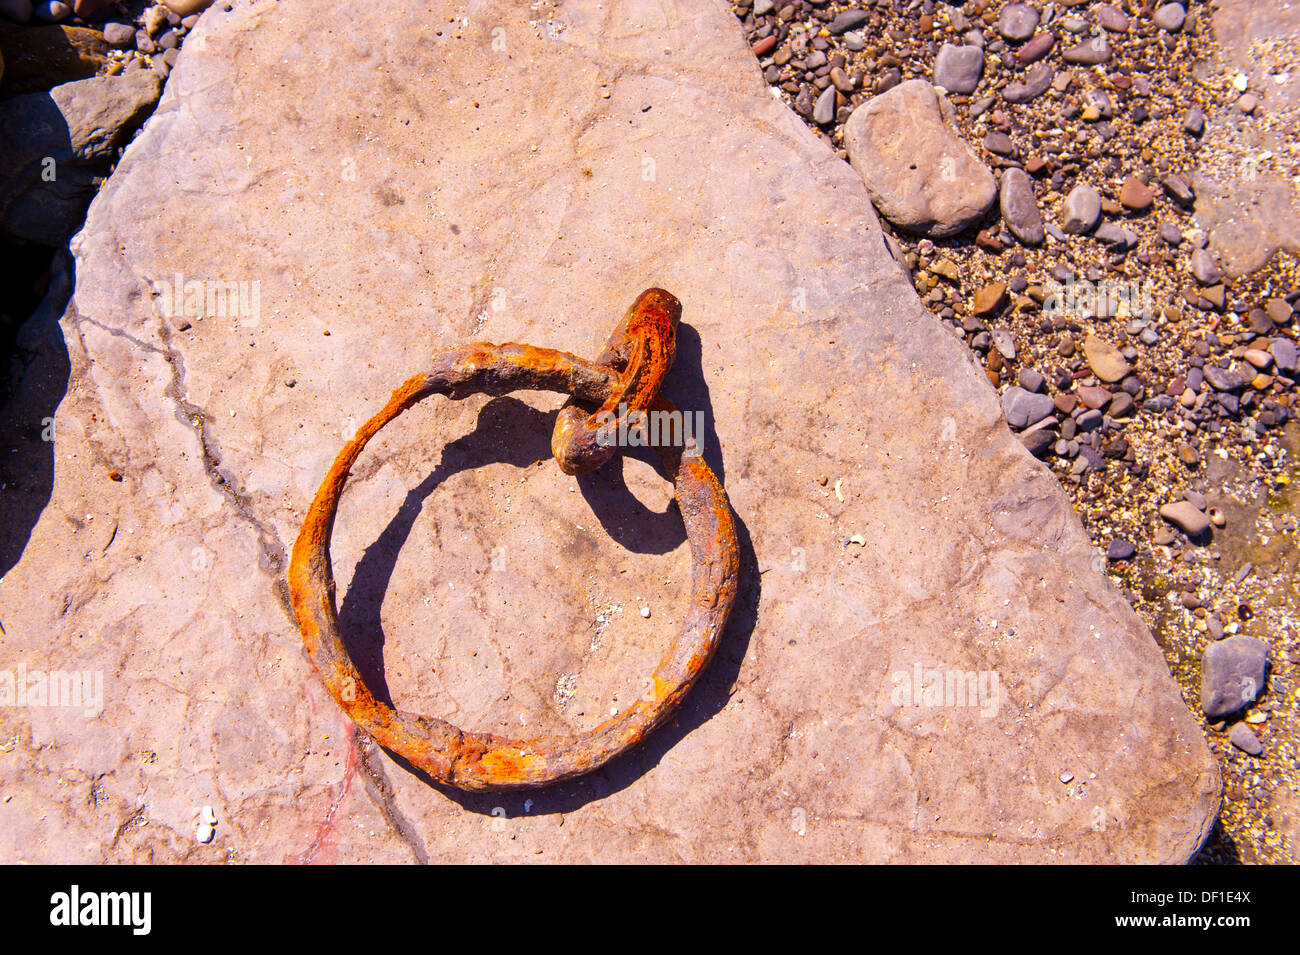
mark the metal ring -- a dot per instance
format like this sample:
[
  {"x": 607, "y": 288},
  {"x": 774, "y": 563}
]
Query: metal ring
[{"x": 482, "y": 761}]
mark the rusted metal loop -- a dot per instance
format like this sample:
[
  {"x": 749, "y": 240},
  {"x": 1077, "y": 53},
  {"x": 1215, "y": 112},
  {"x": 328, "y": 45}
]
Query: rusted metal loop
[
  {"x": 641, "y": 349},
  {"x": 482, "y": 761}
]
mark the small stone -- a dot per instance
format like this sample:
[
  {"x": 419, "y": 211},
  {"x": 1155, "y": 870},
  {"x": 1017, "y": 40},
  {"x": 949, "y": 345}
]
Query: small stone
[
  {"x": 1203, "y": 266},
  {"x": 1194, "y": 121},
  {"x": 1179, "y": 190},
  {"x": 1244, "y": 738},
  {"x": 1034, "y": 85},
  {"x": 1039, "y": 442},
  {"x": 1037, "y": 48},
  {"x": 1082, "y": 210},
  {"x": 1136, "y": 194},
  {"x": 958, "y": 68},
  {"x": 1024, "y": 408},
  {"x": 999, "y": 143},
  {"x": 1278, "y": 310},
  {"x": 1017, "y": 21},
  {"x": 1223, "y": 379},
  {"x": 1171, "y": 234},
  {"x": 1032, "y": 380},
  {"x": 1120, "y": 549},
  {"x": 1187, "y": 517},
  {"x": 990, "y": 298},
  {"x": 1111, "y": 234},
  {"x": 824, "y": 110},
  {"x": 1232, "y": 674},
  {"x": 119, "y": 35},
  {"x": 846, "y": 21},
  {"x": 1089, "y": 52},
  {"x": 1111, "y": 18},
  {"x": 1020, "y": 208},
  {"x": 1260, "y": 359},
  {"x": 52, "y": 11},
  {"x": 1105, "y": 360},
  {"x": 1004, "y": 343},
  {"x": 1093, "y": 397},
  {"x": 1248, "y": 103},
  {"x": 1285, "y": 354},
  {"x": 1170, "y": 16}
]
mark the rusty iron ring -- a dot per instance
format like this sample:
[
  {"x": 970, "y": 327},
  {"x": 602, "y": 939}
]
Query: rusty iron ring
[{"x": 481, "y": 761}]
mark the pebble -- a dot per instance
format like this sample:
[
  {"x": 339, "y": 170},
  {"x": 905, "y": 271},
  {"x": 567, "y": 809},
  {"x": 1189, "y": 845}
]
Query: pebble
[
  {"x": 1020, "y": 208},
  {"x": 989, "y": 298},
  {"x": 1187, "y": 517},
  {"x": 1034, "y": 85},
  {"x": 1032, "y": 380},
  {"x": 1000, "y": 144},
  {"x": 1170, "y": 16},
  {"x": 824, "y": 110},
  {"x": 1248, "y": 103},
  {"x": 1088, "y": 53},
  {"x": 1232, "y": 674},
  {"x": 1039, "y": 442},
  {"x": 1120, "y": 549},
  {"x": 1136, "y": 194},
  {"x": 1105, "y": 360},
  {"x": 1278, "y": 310},
  {"x": 1223, "y": 379},
  {"x": 1203, "y": 267},
  {"x": 1285, "y": 354},
  {"x": 1082, "y": 210},
  {"x": 846, "y": 21},
  {"x": 120, "y": 35},
  {"x": 1194, "y": 121},
  {"x": 1004, "y": 343},
  {"x": 958, "y": 68},
  {"x": 1111, "y": 234},
  {"x": 1111, "y": 18},
  {"x": 1244, "y": 738},
  {"x": 1024, "y": 408},
  {"x": 1037, "y": 48},
  {"x": 1179, "y": 190},
  {"x": 1018, "y": 21},
  {"x": 52, "y": 11}
]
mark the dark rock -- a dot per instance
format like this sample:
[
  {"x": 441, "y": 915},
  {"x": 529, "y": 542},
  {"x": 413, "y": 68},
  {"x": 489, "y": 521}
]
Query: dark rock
[{"x": 1232, "y": 675}]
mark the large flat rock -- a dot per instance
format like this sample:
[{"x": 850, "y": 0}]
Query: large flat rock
[{"x": 404, "y": 181}]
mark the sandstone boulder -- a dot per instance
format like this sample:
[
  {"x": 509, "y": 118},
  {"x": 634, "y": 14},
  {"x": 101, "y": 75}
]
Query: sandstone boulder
[{"x": 959, "y": 683}]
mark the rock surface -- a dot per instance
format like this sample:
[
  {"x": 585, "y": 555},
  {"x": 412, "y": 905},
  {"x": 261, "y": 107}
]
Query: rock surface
[
  {"x": 478, "y": 583},
  {"x": 57, "y": 144},
  {"x": 920, "y": 174}
]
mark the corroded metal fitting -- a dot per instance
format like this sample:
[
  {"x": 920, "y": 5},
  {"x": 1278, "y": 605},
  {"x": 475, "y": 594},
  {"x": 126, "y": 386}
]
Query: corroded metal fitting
[{"x": 624, "y": 380}]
